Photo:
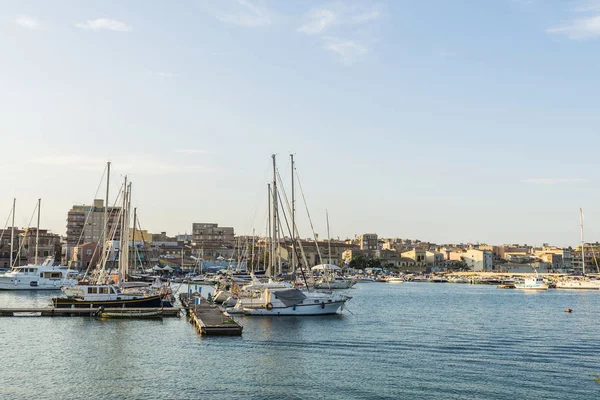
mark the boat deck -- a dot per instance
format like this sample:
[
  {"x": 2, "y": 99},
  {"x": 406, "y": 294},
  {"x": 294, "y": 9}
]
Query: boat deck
[
  {"x": 78, "y": 312},
  {"x": 208, "y": 319}
]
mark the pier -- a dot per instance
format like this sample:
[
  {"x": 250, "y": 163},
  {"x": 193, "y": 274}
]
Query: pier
[
  {"x": 208, "y": 319},
  {"x": 78, "y": 312}
]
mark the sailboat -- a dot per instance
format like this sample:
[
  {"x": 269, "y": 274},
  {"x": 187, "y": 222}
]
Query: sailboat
[
  {"x": 288, "y": 300},
  {"x": 579, "y": 283},
  {"x": 48, "y": 275},
  {"x": 105, "y": 290}
]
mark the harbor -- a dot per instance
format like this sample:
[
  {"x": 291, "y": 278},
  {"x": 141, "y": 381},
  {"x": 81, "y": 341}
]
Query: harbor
[{"x": 432, "y": 340}]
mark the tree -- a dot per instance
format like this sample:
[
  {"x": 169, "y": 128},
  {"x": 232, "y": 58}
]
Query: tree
[{"x": 358, "y": 262}]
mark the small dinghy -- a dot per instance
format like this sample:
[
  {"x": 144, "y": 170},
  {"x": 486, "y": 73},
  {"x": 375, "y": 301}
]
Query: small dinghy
[{"x": 129, "y": 313}]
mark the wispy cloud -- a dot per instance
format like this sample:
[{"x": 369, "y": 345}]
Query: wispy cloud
[
  {"x": 105, "y": 24},
  {"x": 348, "y": 50},
  {"x": 246, "y": 13},
  {"x": 585, "y": 21},
  {"x": 579, "y": 29},
  {"x": 135, "y": 163},
  {"x": 319, "y": 20},
  {"x": 554, "y": 181},
  {"x": 336, "y": 25},
  {"x": 27, "y": 22}
]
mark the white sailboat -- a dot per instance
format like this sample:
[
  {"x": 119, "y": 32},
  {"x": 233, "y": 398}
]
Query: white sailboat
[
  {"x": 583, "y": 282},
  {"x": 288, "y": 301},
  {"x": 103, "y": 290}
]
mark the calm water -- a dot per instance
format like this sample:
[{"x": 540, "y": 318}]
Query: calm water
[{"x": 413, "y": 341}]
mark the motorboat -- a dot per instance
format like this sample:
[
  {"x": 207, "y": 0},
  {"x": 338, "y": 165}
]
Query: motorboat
[
  {"x": 335, "y": 282},
  {"x": 47, "y": 276},
  {"x": 533, "y": 283},
  {"x": 394, "y": 279},
  {"x": 90, "y": 296}
]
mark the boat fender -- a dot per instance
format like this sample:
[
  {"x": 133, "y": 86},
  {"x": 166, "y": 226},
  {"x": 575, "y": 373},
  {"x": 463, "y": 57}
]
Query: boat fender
[
  {"x": 322, "y": 305},
  {"x": 294, "y": 307},
  {"x": 269, "y": 306}
]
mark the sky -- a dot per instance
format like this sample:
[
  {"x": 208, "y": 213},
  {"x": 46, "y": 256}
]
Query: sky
[{"x": 445, "y": 121}]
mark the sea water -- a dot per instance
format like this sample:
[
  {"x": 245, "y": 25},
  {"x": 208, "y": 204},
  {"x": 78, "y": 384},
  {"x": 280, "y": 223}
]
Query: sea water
[{"x": 392, "y": 341}]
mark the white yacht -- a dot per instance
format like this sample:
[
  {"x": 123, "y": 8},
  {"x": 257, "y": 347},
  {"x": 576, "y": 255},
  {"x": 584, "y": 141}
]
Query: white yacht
[
  {"x": 291, "y": 301},
  {"x": 47, "y": 276},
  {"x": 533, "y": 283},
  {"x": 582, "y": 283},
  {"x": 394, "y": 279}
]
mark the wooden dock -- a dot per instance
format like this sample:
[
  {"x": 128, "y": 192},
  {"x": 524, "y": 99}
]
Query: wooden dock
[
  {"x": 208, "y": 319},
  {"x": 77, "y": 312}
]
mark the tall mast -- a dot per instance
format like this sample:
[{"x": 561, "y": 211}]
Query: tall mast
[
  {"x": 252, "y": 256},
  {"x": 122, "y": 240},
  {"x": 133, "y": 241},
  {"x": 328, "y": 236},
  {"x": 275, "y": 218},
  {"x": 582, "y": 242},
  {"x": 104, "y": 246},
  {"x": 293, "y": 259},
  {"x": 270, "y": 240},
  {"x": 37, "y": 232},
  {"x": 12, "y": 233}
]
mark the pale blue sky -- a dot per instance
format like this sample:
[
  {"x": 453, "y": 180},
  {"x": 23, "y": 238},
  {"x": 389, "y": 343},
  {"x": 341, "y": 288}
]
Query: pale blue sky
[{"x": 448, "y": 121}]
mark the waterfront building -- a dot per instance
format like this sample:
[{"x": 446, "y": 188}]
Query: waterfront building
[
  {"x": 212, "y": 234},
  {"x": 419, "y": 255},
  {"x": 474, "y": 259},
  {"x": 48, "y": 244},
  {"x": 368, "y": 241},
  {"x": 141, "y": 237},
  {"x": 5, "y": 247},
  {"x": 85, "y": 223}
]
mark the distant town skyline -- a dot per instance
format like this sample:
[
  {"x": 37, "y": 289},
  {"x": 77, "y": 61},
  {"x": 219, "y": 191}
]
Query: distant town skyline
[{"x": 447, "y": 122}]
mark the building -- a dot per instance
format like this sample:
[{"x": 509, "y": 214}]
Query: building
[
  {"x": 141, "y": 236},
  {"x": 434, "y": 259},
  {"x": 48, "y": 245},
  {"x": 85, "y": 223},
  {"x": 479, "y": 260},
  {"x": 5, "y": 247},
  {"x": 418, "y": 255},
  {"x": 368, "y": 241},
  {"x": 212, "y": 234},
  {"x": 85, "y": 255}
]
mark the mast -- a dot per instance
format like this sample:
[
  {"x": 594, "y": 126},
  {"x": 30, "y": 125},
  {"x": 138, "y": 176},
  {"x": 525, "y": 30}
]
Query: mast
[
  {"x": 328, "y": 236},
  {"x": 582, "y": 242},
  {"x": 12, "y": 233},
  {"x": 37, "y": 232},
  {"x": 275, "y": 217},
  {"x": 133, "y": 241},
  {"x": 104, "y": 246},
  {"x": 123, "y": 240},
  {"x": 293, "y": 259},
  {"x": 252, "y": 254},
  {"x": 270, "y": 243}
]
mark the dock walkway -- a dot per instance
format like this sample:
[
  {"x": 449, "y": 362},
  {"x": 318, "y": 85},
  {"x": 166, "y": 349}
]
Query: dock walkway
[
  {"x": 78, "y": 312},
  {"x": 208, "y": 319}
]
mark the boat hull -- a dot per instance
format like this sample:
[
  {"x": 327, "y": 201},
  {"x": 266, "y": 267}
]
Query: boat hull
[
  {"x": 150, "y": 301},
  {"x": 32, "y": 283},
  {"x": 308, "y": 309}
]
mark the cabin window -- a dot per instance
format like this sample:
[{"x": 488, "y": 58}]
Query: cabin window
[
  {"x": 92, "y": 290},
  {"x": 103, "y": 290},
  {"x": 41, "y": 275},
  {"x": 317, "y": 302}
]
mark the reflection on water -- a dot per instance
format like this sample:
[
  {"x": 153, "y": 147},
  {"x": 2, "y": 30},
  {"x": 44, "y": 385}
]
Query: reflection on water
[{"x": 414, "y": 340}]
